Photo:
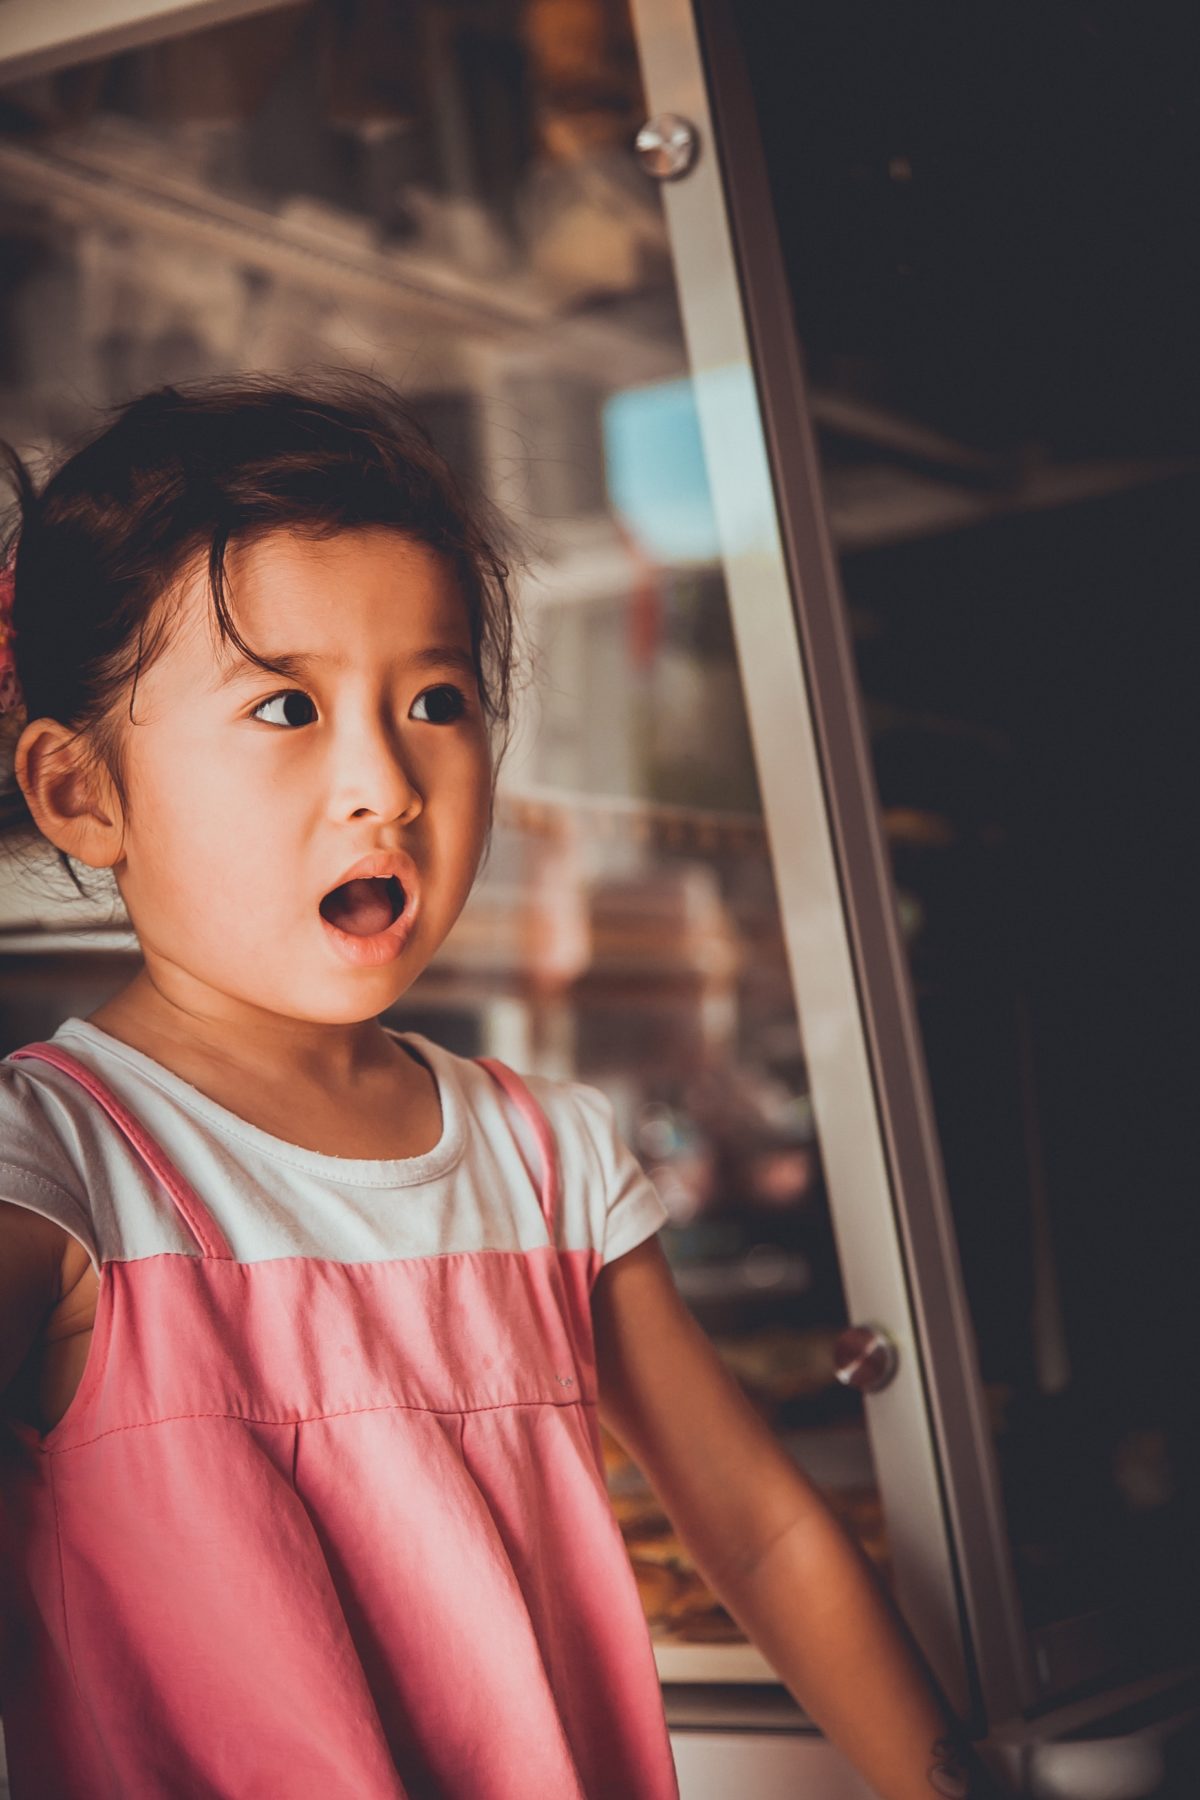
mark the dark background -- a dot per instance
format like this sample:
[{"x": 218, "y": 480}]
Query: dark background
[
  {"x": 989, "y": 221},
  {"x": 1038, "y": 271}
]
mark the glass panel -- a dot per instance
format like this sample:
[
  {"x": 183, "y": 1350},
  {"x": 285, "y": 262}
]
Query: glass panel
[
  {"x": 449, "y": 195},
  {"x": 1006, "y": 412}
]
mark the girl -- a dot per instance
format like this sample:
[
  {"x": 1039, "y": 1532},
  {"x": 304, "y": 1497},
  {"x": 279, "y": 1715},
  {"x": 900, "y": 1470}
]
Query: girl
[{"x": 308, "y": 1322}]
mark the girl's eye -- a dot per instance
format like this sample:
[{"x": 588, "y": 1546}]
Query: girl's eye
[
  {"x": 298, "y": 709},
  {"x": 442, "y": 705}
]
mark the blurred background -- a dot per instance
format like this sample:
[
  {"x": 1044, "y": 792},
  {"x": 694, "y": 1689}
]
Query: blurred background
[{"x": 845, "y": 839}]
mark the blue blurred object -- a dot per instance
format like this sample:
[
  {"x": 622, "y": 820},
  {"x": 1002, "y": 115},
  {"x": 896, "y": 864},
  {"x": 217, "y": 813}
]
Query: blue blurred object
[{"x": 655, "y": 469}]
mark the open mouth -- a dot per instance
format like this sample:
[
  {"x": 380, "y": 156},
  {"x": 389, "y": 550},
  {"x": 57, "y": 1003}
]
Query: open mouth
[{"x": 366, "y": 906}]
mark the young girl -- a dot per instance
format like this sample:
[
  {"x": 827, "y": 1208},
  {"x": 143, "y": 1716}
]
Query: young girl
[{"x": 307, "y": 1323}]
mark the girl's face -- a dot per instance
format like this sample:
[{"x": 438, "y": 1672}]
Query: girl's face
[{"x": 252, "y": 795}]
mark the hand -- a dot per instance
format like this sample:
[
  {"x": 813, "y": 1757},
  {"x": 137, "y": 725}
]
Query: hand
[{"x": 956, "y": 1772}]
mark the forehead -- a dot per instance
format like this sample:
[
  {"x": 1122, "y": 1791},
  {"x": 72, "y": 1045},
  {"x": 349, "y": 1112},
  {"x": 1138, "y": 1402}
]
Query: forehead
[
  {"x": 292, "y": 591},
  {"x": 369, "y": 572}
]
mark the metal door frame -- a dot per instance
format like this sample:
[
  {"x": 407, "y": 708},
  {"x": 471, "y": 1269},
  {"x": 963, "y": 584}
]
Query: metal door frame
[{"x": 929, "y": 1431}]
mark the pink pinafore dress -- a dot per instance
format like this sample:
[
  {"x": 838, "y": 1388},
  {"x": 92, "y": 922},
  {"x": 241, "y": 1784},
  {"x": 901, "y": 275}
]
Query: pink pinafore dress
[{"x": 320, "y": 1530}]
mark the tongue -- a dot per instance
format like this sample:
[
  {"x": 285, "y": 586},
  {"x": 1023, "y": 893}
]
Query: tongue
[{"x": 360, "y": 907}]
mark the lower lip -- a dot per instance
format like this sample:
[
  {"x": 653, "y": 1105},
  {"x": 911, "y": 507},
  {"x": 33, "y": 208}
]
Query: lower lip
[{"x": 377, "y": 949}]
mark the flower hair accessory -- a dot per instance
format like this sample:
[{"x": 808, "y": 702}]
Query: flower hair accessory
[{"x": 10, "y": 687}]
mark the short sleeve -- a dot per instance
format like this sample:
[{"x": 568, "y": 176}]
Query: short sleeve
[
  {"x": 36, "y": 1170},
  {"x": 630, "y": 1208}
]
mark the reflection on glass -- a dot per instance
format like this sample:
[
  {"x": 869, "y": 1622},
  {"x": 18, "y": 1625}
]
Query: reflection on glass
[
  {"x": 450, "y": 197},
  {"x": 1025, "y": 737},
  {"x": 1007, "y": 438},
  {"x": 1019, "y": 656}
]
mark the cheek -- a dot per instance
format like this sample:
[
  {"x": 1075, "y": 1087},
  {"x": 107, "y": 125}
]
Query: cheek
[
  {"x": 459, "y": 806},
  {"x": 456, "y": 775},
  {"x": 193, "y": 828},
  {"x": 482, "y": 792}
]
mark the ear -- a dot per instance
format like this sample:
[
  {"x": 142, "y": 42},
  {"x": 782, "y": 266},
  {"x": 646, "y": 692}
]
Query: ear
[{"x": 73, "y": 800}]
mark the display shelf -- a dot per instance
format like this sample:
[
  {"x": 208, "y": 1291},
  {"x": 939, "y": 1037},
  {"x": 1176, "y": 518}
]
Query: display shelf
[
  {"x": 789, "y": 1275},
  {"x": 680, "y": 1661},
  {"x": 877, "y": 505},
  {"x": 53, "y": 941},
  {"x": 545, "y": 810},
  {"x": 115, "y": 175}
]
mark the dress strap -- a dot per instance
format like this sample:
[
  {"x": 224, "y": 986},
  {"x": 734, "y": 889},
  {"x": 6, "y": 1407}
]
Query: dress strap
[
  {"x": 525, "y": 1103},
  {"x": 188, "y": 1203}
]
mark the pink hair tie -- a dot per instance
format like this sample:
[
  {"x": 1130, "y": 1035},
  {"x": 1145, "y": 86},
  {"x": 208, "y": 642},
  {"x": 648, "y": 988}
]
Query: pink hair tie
[{"x": 10, "y": 687}]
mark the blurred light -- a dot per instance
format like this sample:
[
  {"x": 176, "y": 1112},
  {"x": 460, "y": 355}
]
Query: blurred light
[
  {"x": 767, "y": 1266},
  {"x": 655, "y": 467}
]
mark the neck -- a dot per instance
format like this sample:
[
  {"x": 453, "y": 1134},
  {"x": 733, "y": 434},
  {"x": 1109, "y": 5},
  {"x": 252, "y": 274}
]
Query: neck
[{"x": 187, "y": 1029}]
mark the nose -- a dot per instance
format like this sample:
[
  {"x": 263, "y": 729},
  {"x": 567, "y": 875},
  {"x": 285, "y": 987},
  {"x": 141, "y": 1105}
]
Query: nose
[{"x": 375, "y": 778}]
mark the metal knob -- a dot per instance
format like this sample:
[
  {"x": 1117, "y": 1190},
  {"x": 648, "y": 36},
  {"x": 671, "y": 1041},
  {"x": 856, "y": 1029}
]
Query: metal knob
[
  {"x": 667, "y": 146},
  {"x": 864, "y": 1357}
]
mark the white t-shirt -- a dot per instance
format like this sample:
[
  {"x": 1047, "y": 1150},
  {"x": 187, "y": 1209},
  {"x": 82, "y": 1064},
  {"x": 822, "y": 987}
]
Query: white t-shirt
[{"x": 62, "y": 1156}]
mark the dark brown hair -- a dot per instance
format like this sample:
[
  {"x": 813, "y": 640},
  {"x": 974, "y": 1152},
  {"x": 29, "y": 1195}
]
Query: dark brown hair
[{"x": 190, "y": 468}]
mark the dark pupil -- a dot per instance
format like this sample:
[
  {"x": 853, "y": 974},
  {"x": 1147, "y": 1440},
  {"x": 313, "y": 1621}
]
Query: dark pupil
[
  {"x": 442, "y": 704},
  {"x": 294, "y": 701}
]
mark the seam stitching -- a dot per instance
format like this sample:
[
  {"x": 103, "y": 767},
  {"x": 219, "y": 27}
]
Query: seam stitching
[
  {"x": 273, "y": 1155},
  {"x": 51, "y": 1187},
  {"x": 316, "y": 1418},
  {"x": 343, "y": 1262},
  {"x": 62, "y": 1590}
]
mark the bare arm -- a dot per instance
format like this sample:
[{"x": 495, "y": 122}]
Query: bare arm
[
  {"x": 32, "y": 1253},
  {"x": 766, "y": 1541}
]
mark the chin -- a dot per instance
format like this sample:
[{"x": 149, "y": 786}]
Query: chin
[{"x": 368, "y": 993}]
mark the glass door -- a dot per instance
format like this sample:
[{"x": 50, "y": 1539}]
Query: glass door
[
  {"x": 515, "y": 213},
  {"x": 1001, "y": 632}
]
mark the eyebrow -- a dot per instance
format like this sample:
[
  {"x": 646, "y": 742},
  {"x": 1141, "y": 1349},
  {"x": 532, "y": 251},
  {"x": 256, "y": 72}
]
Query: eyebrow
[{"x": 295, "y": 665}]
